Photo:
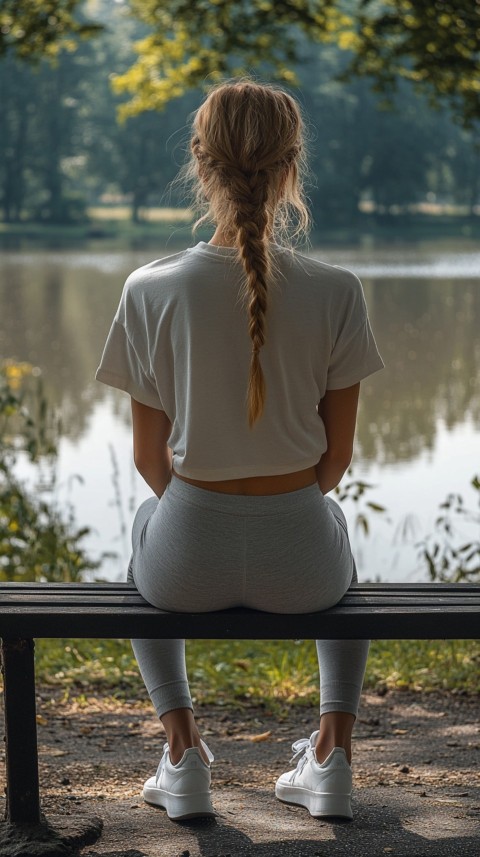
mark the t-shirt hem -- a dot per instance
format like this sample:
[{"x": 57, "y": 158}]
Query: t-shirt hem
[{"x": 243, "y": 471}]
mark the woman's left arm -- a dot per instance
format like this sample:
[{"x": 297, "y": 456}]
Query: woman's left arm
[{"x": 151, "y": 453}]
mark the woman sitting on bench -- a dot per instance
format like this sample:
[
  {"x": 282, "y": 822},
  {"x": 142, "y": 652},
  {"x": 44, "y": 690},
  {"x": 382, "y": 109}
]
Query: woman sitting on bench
[{"x": 243, "y": 359}]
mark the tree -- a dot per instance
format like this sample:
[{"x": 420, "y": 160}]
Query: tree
[
  {"x": 15, "y": 117},
  {"x": 39, "y": 124},
  {"x": 196, "y": 40},
  {"x": 135, "y": 158},
  {"x": 31, "y": 29},
  {"x": 433, "y": 43},
  {"x": 61, "y": 147}
]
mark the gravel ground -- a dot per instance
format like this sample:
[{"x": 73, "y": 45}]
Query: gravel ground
[{"x": 416, "y": 778}]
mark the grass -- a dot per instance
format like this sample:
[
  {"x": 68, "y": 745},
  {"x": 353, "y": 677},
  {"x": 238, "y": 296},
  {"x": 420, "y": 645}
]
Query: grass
[
  {"x": 116, "y": 233},
  {"x": 148, "y": 215},
  {"x": 274, "y": 673}
]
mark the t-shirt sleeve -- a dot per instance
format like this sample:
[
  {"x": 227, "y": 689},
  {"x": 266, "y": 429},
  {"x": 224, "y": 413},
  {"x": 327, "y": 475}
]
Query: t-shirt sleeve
[
  {"x": 355, "y": 354},
  {"x": 122, "y": 368}
]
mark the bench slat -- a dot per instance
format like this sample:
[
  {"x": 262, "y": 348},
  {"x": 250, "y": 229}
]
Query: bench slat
[
  {"x": 120, "y": 586},
  {"x": 388, "y": 611},
  {"x": 70, "y": 601}
]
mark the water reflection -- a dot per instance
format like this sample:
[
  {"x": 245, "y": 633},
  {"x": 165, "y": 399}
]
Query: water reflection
[
  {"x": 55, "y": 310},
  {"x": 427, "y": 331}
]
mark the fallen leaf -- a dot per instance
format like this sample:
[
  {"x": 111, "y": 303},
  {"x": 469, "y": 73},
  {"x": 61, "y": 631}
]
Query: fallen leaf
[{"x": 264, "y": 736}]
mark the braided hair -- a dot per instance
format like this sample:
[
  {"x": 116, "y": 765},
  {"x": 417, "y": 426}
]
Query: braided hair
[{"x": 246, "y": 148}]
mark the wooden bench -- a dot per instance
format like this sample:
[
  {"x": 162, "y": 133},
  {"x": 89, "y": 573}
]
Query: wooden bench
[{"x": 106, "y": 610}]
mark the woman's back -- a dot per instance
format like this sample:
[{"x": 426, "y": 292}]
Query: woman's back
[{"x": 182, "y": 321}]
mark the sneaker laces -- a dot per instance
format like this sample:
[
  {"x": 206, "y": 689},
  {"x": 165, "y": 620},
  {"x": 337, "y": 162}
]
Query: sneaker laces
[{"x": 303, "y": 751}]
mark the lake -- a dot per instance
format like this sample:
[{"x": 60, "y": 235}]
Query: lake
[{"x": 417, "y": 436}]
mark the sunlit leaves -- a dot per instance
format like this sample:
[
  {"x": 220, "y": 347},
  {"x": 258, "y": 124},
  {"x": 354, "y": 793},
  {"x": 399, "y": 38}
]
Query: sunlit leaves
[
  {"x": 33, "y": 29},
  {"x": 433, "y": 43},
  {"x": 200, "y": 42},
  {"x": 436, "y": 45}
]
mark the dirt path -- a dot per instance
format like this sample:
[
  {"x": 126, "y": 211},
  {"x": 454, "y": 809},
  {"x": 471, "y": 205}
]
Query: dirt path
[{"x": 416, "y": 767}]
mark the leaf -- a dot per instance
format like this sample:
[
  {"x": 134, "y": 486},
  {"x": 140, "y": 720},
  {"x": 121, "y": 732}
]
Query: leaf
[
  {"x": 361, "y": 522},
  {"x": 242, "y": 663},
  {"x": 264, "y": 736},
  {"x": 431, "y": 565},
  {"x": 376, "y": 507}
]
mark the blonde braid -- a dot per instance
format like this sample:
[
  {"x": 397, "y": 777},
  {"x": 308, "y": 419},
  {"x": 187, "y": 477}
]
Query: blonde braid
[
  {"x": 246, "y": 151},
  {"x": 251, "y": 222}
]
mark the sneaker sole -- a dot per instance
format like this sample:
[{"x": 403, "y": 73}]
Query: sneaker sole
[
  {"x": 319, "y": 805},
  {"x": 180, "y": 807}
]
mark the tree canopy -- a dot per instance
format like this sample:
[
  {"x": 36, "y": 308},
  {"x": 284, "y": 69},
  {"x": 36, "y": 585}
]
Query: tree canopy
[
  {"x": 32, "y": 29},
  {"x": 433, "y": 43},
  {"x": 62, "y": 150}
]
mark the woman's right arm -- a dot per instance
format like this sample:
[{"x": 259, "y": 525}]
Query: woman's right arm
[
  {"x": 152, "y": 456},
  {"x": 338, "y": 411}
]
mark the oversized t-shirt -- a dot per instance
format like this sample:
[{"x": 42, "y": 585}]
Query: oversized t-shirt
[{"x": 179, "y": 342}]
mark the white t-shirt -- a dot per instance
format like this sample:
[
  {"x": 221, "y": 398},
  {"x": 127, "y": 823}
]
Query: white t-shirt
[{"x": 179, "y": 343}]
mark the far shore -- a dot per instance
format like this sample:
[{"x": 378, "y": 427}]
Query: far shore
[{"x": 113, "y": 226}]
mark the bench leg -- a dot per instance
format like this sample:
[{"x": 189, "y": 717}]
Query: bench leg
[
  {"x": 23, "y": 798},
  {"x": 25, "y": 830}
]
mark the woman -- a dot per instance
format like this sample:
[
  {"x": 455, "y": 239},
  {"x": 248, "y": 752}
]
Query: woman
[{"x": 243, "y": 360}]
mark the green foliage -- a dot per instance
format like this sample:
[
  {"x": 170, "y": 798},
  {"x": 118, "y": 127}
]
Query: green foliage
[
  {"x": 433, "y": 44},
  {"x": 270, "y": 672},
  {"x": 61, "y": 148},
  {"x": 355, "y": 490},
  {"x": 60, "y": 144},
  {"x": 38, "y": 126},
  {"x": 424, "y": 665},
  {"x": 193, "y": 41},
  {"x": 37, "y": 542},
  {"x": 26, "y": 424},
  {"x": 32, "y": 29},
  {"x": 450, "y": 556}
]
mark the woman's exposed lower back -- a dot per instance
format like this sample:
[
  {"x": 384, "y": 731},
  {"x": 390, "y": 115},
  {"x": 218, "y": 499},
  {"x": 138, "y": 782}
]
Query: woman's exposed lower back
[{"x": 258, "y": 485}]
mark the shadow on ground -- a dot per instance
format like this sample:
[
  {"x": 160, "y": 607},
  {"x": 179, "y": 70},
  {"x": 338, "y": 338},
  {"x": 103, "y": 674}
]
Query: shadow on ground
[{"x": 416, "y": 778}]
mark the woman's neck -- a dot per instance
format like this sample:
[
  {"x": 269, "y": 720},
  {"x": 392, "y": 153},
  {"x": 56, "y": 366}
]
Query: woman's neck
[
  {"x": 219, "y": 239},
  {"x": 223, "y": 239}
]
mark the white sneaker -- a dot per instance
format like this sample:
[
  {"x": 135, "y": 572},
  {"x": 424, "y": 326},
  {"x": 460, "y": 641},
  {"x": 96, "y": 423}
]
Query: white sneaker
[
  {"x": 182, "y": 789},
  {"x": 324, "y": 789}
]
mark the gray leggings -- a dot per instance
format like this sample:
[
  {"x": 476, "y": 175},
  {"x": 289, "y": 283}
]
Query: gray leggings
[{"x": 197, "y": 550}]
